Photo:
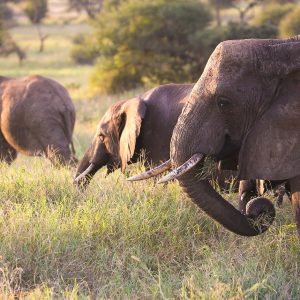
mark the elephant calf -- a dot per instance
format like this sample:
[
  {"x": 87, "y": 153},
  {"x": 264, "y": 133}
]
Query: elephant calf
[{"x": 37, "y": 118}]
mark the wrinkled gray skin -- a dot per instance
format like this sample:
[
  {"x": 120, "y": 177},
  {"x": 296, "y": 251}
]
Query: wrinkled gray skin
[
  {"x": 37, "y": 118},
  {"x": 246, "y": 103},
  {"x": 131, "y": 127}
]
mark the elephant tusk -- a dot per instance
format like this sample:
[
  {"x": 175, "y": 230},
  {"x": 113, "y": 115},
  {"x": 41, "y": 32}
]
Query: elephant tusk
[
  {"x": 82, "y": 175},
  {"x": 153, "y": 172},
  {"x": 183, "y": 168}
]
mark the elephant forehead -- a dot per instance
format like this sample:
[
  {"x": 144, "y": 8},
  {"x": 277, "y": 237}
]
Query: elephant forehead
[{"x": 225, "y": 66}]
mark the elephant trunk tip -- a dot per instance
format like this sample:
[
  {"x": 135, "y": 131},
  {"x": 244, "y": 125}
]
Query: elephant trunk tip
[{"x": 261, "y": 213}]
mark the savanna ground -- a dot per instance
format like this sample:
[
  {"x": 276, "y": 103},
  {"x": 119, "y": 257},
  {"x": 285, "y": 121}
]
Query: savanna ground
[{"x": 121, "y": 240}]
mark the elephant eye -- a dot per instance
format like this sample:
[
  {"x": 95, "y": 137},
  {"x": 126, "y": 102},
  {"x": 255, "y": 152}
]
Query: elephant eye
[{"x": 223, "y": 102}]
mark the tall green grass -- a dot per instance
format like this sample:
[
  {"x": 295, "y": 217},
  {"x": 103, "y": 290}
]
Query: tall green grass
[{"x": 120, "y": 240}]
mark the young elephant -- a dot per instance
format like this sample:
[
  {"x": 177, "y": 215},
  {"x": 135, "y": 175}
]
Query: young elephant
[
  {"x": 129, "y": 127},
  {"x": 37, "y": 118}
]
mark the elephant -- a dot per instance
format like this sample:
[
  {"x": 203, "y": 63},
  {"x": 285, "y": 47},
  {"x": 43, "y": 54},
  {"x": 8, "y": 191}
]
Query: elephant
[
  {"x": 246, "y": 105},
  {"x": 37, "y": 118},
  {"x": 143, "y": 124},
  {"x": 140, "y": 125}
]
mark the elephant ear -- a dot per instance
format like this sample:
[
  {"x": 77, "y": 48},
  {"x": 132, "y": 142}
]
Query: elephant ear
[
  {"x": 132, "y": 113},
  {"x": 271, "y": 150},
  {"x": 279, "y": 60}
]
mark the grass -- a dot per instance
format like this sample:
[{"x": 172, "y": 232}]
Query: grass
[{"x": 120, "y": 240}]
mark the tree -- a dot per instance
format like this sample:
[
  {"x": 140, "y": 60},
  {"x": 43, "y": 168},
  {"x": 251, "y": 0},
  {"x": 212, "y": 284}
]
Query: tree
[
  {"x": 218, "y": 5},
  {"x": 290, "y": 24},
  {"x": 91, "y": 7},
  {"x": 7, "y": 44},
  {"x": 150, "y": 41},
  {"x": 273, "y": 13},
  {"x": 244, "y": 8},
  {"x": 36, "y": 11}
]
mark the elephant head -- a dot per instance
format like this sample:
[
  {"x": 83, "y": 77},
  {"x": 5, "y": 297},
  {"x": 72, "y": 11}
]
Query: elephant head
[
  {"x": 246, "y": 103},
  {"x": 114, "y": 143}
]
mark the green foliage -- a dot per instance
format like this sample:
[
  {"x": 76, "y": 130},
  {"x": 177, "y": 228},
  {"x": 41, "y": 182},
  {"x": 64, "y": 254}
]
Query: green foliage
[
  {"x": 290, "y": 24},
  {"x": 273, "y": 13},
  {"x": 83, "y": 50},
  {"x": 142, "y": 42},
  {"x": 36, "y": 10},
  {"x": 211, "y": 37},
  {"x": 235, "y": 31}
]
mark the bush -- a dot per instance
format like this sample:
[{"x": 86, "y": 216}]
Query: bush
[
  {"x": 149, "y": 41},
  {"x": 83, "y": 50},
  {"x": 290, "y": 24},
  {"x": 233, "y": 31},
  {"x": 273, "y": 13}
]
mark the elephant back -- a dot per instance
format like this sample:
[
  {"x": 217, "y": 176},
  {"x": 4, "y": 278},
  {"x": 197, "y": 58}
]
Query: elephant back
[{"x": 36, "y": 113}]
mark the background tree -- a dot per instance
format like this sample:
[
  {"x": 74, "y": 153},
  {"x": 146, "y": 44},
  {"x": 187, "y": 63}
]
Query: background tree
[
  {"x": 218, "y": 5},
  {"x": 273, "y": 13},
  {"x": 244, "y": 7},
  {"x": 7, "y": 43},
  {"x": 36, "y": 11},
  {"x": 150, "y": 41},
  {"x": 290, "y": 24},
  {"x": 91, "y": 7}
]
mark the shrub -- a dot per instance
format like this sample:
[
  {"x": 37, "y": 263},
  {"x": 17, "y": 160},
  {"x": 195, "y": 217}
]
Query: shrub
[
  {"x": 273, "y": 13},
  {"x": 83, "y": 50},
  {"x": 233, "y": 31},
  {"x": 290, "y": 24},
  {"x": 237, "y": 31},
  {"x": 149, "y": 41}
]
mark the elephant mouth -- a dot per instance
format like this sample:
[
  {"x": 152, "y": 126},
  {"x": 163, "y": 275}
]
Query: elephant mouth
[{"x": 228, "y": 149}]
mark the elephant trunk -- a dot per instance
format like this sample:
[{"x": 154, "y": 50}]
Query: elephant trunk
[
  {"x": 91, "y": 162},
  {"x": 202, "y": 194}
]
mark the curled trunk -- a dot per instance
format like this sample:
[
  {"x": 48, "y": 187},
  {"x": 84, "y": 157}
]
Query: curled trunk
[{"x": 251, "y": 224}]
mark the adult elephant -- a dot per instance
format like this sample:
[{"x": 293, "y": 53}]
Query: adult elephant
[
  {"x": 141, "y": 125},
  {"x": 37, "y": 117},
  {"x": 246, "y": 104}
]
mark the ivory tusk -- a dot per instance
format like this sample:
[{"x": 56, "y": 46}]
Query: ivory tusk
[
  {"x": 153, "y": 172},
  {"x": 82, "y": 175},
  {"x": 183, "y": 168}
]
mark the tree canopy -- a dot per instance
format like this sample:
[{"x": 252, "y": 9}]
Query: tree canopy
[{"x": 149, "y": 41}]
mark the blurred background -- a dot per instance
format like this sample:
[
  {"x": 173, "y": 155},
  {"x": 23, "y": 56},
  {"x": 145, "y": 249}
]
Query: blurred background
[{"x": 106, "y": 50}]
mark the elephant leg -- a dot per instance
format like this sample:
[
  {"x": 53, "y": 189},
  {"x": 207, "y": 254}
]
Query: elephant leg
[
  {"x": 279, "y": 193},
  {"x": 295, "y": 191},
  {"x": 7, "y": 152},
  {"x": 247, "y": 190}
]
